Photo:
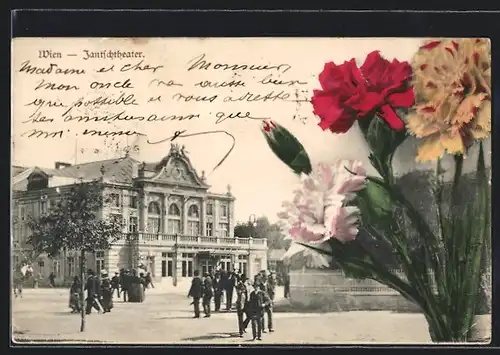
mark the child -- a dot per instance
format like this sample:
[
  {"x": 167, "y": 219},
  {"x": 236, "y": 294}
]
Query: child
[{"x": 255, "y": 310}]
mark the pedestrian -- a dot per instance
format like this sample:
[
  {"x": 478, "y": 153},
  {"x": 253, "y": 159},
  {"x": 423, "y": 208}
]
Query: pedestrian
[
  {"x": 271, "y": 285},
  {"x": 52, "y": 279},
  {"x": 149, "y": 280},
  {"x": 93, "y": 293},
  {"x": 115, "y": 285},
  {"x": 125, "y": 284},
  {"x": 106, "y": 292},
  {"x": 217, "y": 291},
  {"x": 196, "y": 292},
  {"x": 74, "y": 295},
  {"x": 142, "y": 277},
  {"x": 267, "y": 306},
  {"x": 286, "y": 284},
  {"x": 255, "y": 312},
  {"x": 241, "y": 302},
  {"x": 135, "y": 287},
  {"x": 230, "y": 284},
  {"x": 207, "y": 294}
]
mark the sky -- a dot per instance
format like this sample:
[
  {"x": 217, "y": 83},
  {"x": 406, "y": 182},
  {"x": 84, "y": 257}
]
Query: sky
[{"x": 259, "y": 181}]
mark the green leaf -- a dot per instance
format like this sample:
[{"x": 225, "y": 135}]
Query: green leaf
[{"x": 375, "y": 202}]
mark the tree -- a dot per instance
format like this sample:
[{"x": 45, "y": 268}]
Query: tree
[
  {"x": 74, "y": 224},
  {"x": 263, "y": 229}
]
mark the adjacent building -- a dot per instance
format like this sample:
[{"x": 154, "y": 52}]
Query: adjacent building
[{"x": 172, "y": 223}]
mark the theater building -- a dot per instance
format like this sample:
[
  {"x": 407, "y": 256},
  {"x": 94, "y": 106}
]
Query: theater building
[{"x": 172, "y": 223}]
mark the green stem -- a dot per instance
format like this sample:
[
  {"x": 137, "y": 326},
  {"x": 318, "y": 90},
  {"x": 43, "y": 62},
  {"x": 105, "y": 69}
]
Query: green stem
[{"x": 455, "y": 194}]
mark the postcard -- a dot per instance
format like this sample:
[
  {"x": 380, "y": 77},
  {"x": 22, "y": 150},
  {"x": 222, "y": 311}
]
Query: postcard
[{"x": 251, "y": 190}]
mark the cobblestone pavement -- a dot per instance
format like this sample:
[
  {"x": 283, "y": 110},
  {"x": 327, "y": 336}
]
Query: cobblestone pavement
[{"x": 42, "y": 315}]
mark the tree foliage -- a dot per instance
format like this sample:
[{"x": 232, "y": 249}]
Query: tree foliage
[
  {"x": 73, "y": 223},
  {"x": 263, "y": 229}
]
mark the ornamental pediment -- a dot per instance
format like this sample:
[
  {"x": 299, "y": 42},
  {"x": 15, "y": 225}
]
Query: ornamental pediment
[{"x": 176, "y": 169}]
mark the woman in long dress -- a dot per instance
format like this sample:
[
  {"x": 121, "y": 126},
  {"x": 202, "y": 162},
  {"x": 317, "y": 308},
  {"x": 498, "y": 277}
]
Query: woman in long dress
[
  {"x": 74, "y": 295},
  {"x": 107, "y": 294}
]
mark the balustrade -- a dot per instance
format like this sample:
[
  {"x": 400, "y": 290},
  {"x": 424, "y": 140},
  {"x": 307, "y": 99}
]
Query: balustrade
[{"x": 172, "y": 239}]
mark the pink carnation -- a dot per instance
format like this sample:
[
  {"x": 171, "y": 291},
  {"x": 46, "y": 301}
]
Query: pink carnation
[{"x": 317, "y": 211}]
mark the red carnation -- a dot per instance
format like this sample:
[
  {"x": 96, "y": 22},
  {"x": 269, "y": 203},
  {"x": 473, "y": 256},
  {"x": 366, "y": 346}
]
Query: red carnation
[{"x": 350, "y": 93}]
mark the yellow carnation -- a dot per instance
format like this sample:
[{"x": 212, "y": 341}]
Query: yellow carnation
[{"x": 452, "y": 83}]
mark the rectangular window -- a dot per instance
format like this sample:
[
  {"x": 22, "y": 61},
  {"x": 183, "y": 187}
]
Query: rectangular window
[
  {"x": 223, "y": 229},
  {"x": 210, "y": 229},
  {"x": 193, "y": 228},
  {"x": 41, "y": 267},
  {"x": 272, "y": 265},
  {"x": 99, "y": 262},
  {"x": 44, "y": 207},
  {"x": 210, "y": 209},
  {"x": 99, "y": 265},
  {"x": 114, "y": 200},
  {"x": 80, "y": 264},
  {"x": 56, "y": 267},
  {"x": 132, "y": 201},
  {"x": 190, "y": 268},
  {"x": 132, "y": 225},
  {"x": 153, "y": 225},
  {"x": 184, "y": 268},
  {"x": 71, "y": 266},
  {"x": 163, "y": 268},
  {"x": 174, "y": 226},
  {"x": 223, "y": 210},
  {"x": 170, "y": 268},
  {"x": 116, "y": 218},
  {"x": 22, "y": 213}
]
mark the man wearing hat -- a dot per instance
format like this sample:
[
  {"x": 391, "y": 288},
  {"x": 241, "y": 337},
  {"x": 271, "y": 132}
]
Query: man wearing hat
[
  {"x": 241, "y": 302},
  {"x": 115, "y": 285},
  {"x": 125, "y": 283},
  {"x": 93, "y": 292},
  {"x": 207, "y": 294}
]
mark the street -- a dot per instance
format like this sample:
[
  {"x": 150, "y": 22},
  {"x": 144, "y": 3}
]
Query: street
[{"x": 42, "y": 315}]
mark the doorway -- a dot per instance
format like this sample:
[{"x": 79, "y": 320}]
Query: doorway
[{"x": 207, "y": 265}]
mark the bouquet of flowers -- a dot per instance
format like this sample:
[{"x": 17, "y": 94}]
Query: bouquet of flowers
[{"x": 443, "y": 98}]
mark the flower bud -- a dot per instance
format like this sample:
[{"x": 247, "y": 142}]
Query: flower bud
[{"x": 286, "y": 147}]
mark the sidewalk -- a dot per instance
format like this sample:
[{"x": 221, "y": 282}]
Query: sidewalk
[{"x": 43, "y": 317}]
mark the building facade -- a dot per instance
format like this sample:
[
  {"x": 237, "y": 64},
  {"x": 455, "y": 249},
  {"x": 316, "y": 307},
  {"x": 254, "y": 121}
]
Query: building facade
[{"x": 172, "y": 223}]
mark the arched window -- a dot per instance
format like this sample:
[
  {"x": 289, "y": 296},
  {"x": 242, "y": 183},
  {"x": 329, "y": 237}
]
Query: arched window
[
  {"x": 174, "y": 210},
  {"x": 193, "y": 212},
  {"x": 174, "y": 219},
  {"x": 154, "y": 217},
  {"x": 154, "y": 208}
]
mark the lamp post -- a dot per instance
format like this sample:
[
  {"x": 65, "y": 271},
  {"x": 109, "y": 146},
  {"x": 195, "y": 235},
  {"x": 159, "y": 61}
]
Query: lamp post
[{"x": 176, "y": 257}]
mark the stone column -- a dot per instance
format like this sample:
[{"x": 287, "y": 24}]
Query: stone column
[
  {"x": 231, "y": 221},
  {"x": 233, "y": 261},
  {"x": 143, "y": 212},
  {"x": 215, "y": 218},
  {"x": 164, "y": 220},
  {"x": 184, "y": 224},
  {"x": 203, "y": 216}
]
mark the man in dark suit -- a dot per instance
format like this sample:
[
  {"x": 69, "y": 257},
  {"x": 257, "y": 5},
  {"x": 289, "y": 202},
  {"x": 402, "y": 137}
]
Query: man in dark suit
[
  {"x": 196, "y": 292},
  {"x": 217, "y": 283},
  {"x": 207, "y": 294},
  {"x": 241, "y": 302},
  {"x": 230, "y": 284},
  {"x": 93, "y": 287}
]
